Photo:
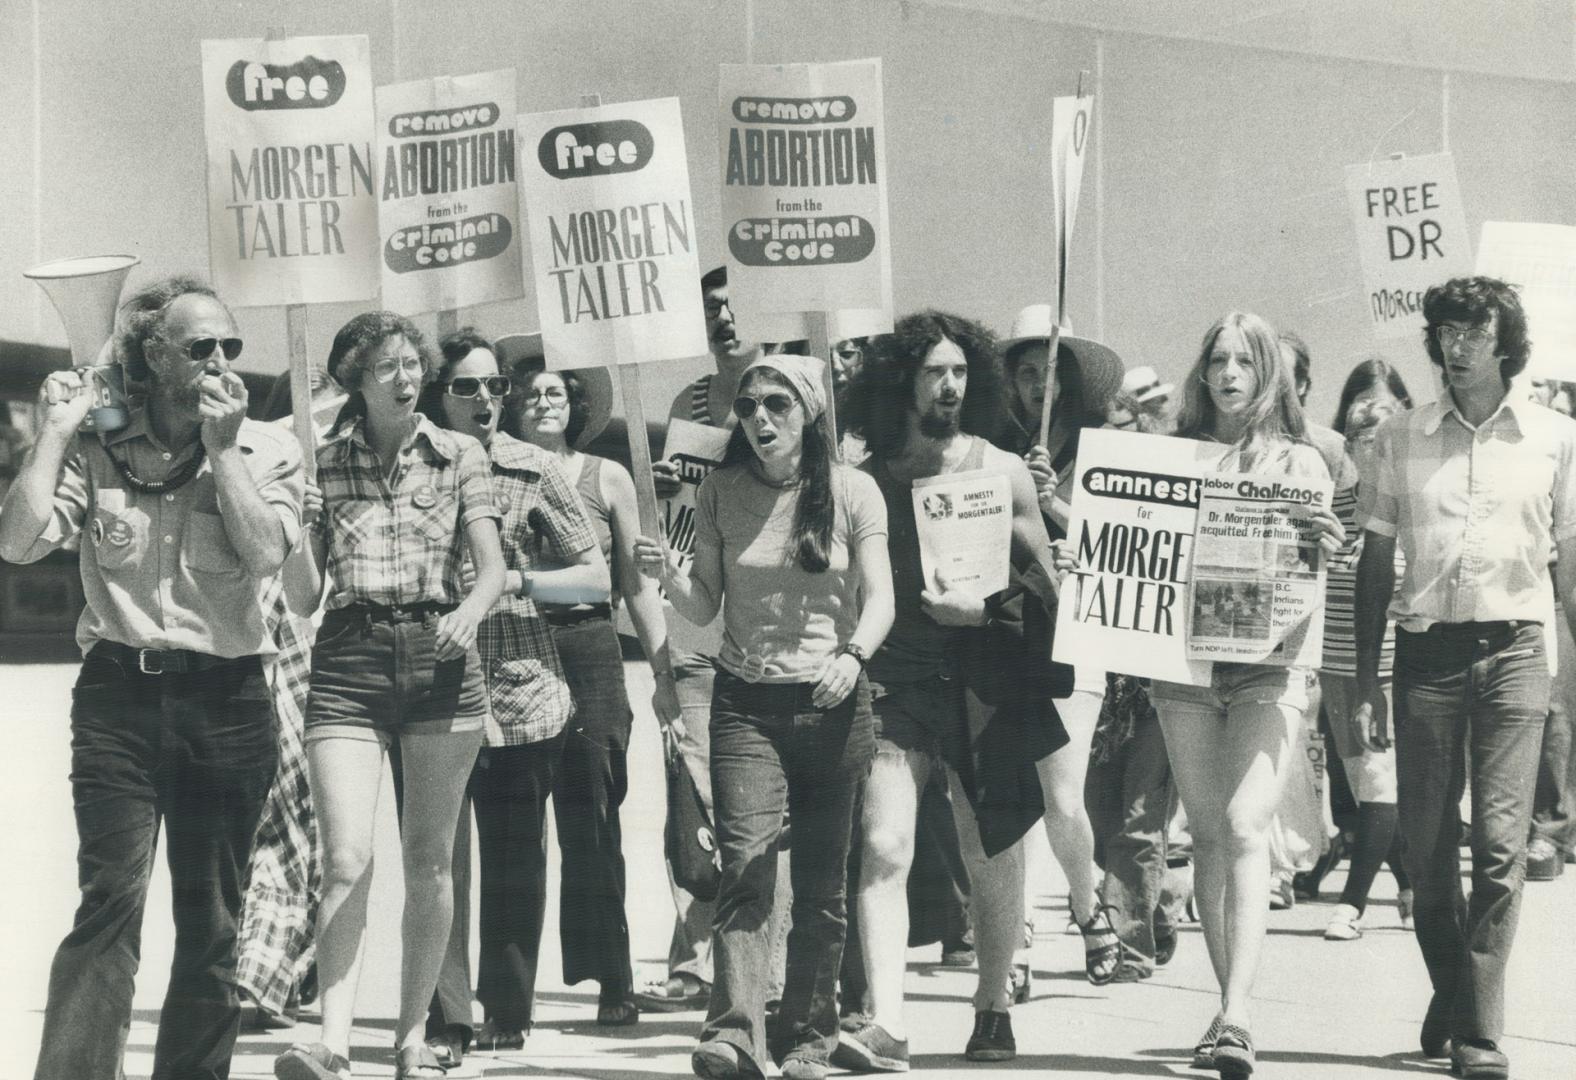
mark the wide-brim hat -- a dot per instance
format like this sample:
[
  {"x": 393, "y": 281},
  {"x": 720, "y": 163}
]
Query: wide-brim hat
[
  {"x": 1100, "y": 370},
  {"x": 1143, "y": 385},
  {"x": 521, "y": 355}
]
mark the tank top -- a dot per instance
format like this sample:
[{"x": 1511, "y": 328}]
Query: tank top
[
  {"x": 589, "y": 486},
  {"x": 917, "y": 646}
]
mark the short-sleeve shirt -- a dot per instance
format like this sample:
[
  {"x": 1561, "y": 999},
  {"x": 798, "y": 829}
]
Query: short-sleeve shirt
[
  {"x": 541, "y": 517},
  {"x": 782, "y": 623},
  {"x": 159, "y": 570},
  {"x": 400, "y": 540},
  {"x": 1477, "y": 511}
]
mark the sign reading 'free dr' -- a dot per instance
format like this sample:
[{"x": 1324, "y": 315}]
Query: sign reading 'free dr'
[
  {"x": 292, "y": 215},
  {"x": 1411, "y": 233}
]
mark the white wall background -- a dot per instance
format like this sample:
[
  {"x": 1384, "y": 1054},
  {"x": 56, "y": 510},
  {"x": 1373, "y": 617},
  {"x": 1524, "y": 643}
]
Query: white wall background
[{"x": 1222, "y": 130}]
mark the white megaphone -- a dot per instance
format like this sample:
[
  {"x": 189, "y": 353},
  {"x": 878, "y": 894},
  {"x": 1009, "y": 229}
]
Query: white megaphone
[{"x": 86, "y": 293}]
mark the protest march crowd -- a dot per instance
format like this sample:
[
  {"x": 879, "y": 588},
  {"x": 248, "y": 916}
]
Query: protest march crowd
[
  {"x": 867, "y": 613},
  {"x": 468, "y": 556}
]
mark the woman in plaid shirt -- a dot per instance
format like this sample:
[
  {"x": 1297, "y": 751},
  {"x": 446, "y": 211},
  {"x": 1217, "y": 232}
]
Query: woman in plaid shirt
[
  {"x": 400, "y": 503},
  {"x": 551, "y": 553}
]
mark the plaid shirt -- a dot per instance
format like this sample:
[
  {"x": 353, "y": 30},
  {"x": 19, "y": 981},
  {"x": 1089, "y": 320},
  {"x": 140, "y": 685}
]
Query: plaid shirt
[
  {"x": 544, "y": 525},
  {"x": 1476, "y": 511},
  {"x": 400, "y": 541}
]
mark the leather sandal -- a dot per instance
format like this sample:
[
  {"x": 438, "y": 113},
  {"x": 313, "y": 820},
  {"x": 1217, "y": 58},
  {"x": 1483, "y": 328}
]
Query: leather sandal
[
  {"x": 1234, "y": 1052},
  {"x": 311, "y": 1062},
  {"x": 1102, "y": 948},
  {"x": 1204, "y": 1051}
]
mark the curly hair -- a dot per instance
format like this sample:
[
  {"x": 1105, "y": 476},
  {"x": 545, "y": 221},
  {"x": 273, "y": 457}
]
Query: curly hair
[
  {"x": 881, "y": 394},
  {"x": 351, "y": 355},
  {"x": 1275, "y": 414},
  {"x": 142, "y": 316},
  {"x": 1475, "y": 300}
]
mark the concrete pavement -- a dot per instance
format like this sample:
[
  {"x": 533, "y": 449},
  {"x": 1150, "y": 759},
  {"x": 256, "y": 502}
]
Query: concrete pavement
[{"x": 1324, "y": 1011}]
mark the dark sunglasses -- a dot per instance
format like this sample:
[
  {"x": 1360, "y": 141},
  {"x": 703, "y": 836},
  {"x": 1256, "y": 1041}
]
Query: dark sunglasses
[
  {"x": 744, "y": 406},
  {"x": 470, "y": 386},
  {"x": 203, "y": 347}
]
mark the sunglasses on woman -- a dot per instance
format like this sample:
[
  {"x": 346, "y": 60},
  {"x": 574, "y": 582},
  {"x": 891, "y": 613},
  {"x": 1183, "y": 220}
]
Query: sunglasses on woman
[
  {"x": 471, "y": 385},
  {"x": 744, "y": 406},
  {"x": 202, "y": 348}
]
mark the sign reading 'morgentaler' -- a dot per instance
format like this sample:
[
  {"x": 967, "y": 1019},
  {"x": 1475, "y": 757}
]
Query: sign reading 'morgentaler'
[{"x": 292, "y": 213}]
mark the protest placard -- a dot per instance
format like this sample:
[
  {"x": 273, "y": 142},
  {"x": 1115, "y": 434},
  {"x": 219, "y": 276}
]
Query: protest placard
[
  {"x": 696, "y": 449},
  {"x": 1540, "y": 260},
  {"x": 1257, "y": 589},
  {"x": 804, "y": 197},
  {"x": 1132, "y": 515},
  {"x": 605, "y": 194},
  {"x": 292, "y": 213},
  {"x": 1411, "y": 233},
  {"x": 964, "y": 522},
  {"x": 448, "y": 209}
]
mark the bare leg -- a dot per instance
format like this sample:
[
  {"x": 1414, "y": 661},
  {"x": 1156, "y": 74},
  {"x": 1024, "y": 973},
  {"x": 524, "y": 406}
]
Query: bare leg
[
  {"x": 345, "y": 774},
  {"x": 995, "y": 905},
  {"x": 1066, "y": 817},
  {"x": 436, "y": 770},
  {"x": 891, "y": 802}
]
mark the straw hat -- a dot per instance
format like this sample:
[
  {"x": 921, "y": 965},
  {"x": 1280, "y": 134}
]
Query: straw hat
[
  {"x": 1143, "y": 385},
  {"x": 1099, "y": 368},
  {"x": 521, "y": 356}
]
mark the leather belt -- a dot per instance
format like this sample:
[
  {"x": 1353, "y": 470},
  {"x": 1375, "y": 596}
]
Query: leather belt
[
  {"x": 571, "y": 616},
  {"x": 162, "y": 661}
]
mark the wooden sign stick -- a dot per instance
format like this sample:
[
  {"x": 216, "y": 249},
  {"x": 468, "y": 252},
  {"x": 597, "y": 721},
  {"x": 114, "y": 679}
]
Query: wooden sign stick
[
  {"x": 821, "y": 348},
  {"x": 1049, "y": 404},
  {"x": 301, "y": 388}
]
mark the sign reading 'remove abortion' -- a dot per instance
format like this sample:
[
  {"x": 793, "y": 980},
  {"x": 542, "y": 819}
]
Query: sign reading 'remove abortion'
[
  {"x": 1411, "y": 233},
  {"x": 292, "y": 215},
  {"x": 606, "y": 196},
  {"x": 803, "y": 192},
  {"x": 448, "y": 210}
]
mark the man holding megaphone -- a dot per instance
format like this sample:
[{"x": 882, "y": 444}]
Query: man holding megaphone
[{"x": 182, "y": 513}]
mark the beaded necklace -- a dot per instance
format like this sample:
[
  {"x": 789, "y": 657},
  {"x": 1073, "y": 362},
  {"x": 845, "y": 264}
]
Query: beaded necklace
[{"x": 171, "y": 482}]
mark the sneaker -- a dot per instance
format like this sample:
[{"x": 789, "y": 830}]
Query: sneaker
[
  {"x": 449, "y": 1045},
  {"x": 870, "y": 1049},
  {"x": 1403, "y": 908},
  {"x": 493, "y": 1039},
  {"x": 1544, "y": 861},
  {"x": 1346, "y": 924},
  {"x": 717, "y": 1059},
  {"x": 1165, "y": 948},
  {"x": 1281, "y": 896},
  {"x": 992, "y": 1039},
  {"x": 312, "y": 1061},
  {"x": 959, "y": 956}
]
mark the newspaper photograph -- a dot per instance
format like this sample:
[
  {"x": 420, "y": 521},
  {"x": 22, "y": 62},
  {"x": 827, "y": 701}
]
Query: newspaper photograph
[
  {"x": 1257, "y": 593},
  {"x": 964, "y": 521}
]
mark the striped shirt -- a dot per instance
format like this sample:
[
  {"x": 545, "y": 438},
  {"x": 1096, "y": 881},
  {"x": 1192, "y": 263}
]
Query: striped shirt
[
  {"x": 543, "y": 526},
  {"x": 1340, "y": 598},
  {"x": 1475, "y": 510},
  {"x": 400, "y": 540}
]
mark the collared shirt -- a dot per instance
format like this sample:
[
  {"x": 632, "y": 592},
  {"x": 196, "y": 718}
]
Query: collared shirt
[
  {"x": 1476, "y": 510},
  {"x": 400, "y": 540},
  {"x": 543, "y": 526},
  {"x": 158, "y": 568}
]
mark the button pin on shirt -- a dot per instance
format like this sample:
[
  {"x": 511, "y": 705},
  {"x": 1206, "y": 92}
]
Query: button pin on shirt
[{"x": 424, "y": 498}]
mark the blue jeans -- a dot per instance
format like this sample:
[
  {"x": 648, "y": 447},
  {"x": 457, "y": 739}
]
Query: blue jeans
[
  {"x": 1468, "y": 696},
  {"x": 196, "y": 751},
  {"x": 772, "y": 752}
]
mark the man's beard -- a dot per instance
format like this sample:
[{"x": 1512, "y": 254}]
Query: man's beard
[{"x": 939, "y": 425}]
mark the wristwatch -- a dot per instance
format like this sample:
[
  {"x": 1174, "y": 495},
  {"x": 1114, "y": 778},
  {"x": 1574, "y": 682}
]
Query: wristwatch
[{"x": 850, "y": 649}]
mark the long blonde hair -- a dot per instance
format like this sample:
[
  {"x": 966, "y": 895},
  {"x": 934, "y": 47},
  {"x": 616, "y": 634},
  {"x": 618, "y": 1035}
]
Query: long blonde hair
[{"x": 1274, "y": 415}]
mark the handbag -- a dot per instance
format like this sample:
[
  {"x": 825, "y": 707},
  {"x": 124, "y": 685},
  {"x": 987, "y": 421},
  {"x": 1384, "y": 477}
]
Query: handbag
[{"x": 688, "y": 838}]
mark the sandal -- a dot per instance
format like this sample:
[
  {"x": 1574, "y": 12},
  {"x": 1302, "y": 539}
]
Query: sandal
[
  {"x": 416, "y": 1062},
  {"x": 1234, "y": 1052},
  {"x": 1204, "y": 1052},
  {"x": 311, "y": 1062},
  {"x": 1102, "y": 948}
]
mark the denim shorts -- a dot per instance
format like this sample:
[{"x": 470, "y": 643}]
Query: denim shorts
[
  {"x": 376, "y": 679},
  {"x": 1240, "y": 684}
]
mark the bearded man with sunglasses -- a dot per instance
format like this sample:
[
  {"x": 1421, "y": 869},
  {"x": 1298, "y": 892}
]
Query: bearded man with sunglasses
[{"x": 182, "y": 514}]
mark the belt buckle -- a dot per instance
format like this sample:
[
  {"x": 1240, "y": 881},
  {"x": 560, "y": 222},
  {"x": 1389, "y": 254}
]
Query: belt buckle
[{"x": 143, "y": 656}]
